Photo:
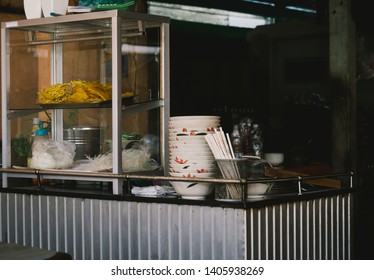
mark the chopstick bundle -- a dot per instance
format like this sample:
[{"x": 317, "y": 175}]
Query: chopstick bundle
[{"x": 220, "y": 145}]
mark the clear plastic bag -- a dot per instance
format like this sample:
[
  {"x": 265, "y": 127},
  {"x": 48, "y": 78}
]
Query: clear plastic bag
[{"x": 52, "y": 154}]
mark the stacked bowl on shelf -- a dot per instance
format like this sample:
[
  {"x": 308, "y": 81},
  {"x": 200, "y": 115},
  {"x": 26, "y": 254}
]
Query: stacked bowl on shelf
[{"x": 190, "y": 155}]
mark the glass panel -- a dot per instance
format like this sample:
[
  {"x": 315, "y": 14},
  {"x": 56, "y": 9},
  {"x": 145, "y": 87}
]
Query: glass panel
[
  {"x": 140, "y": 130},
  {"x": 24, "y": 71},
  {"x": 147, "y": 126},
  {"x": 35, "y": 66}
]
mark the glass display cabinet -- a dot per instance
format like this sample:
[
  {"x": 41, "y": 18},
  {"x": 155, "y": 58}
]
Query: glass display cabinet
[{"x": 98, "y": 80}]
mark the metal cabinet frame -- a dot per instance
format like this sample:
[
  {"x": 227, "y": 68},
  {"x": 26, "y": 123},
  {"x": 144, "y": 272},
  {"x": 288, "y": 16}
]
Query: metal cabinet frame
[{"x": 117, "y": 20}]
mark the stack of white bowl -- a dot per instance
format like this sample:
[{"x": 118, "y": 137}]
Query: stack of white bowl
[{"x": 190, "y": 154}]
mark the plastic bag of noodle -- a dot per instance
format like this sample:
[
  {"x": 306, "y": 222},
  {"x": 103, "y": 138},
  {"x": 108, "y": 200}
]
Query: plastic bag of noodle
[{"x": 52, "y": 154}]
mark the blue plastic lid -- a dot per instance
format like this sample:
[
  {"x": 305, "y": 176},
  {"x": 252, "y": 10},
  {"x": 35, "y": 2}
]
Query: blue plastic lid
[{"x": 41, "y": 132}]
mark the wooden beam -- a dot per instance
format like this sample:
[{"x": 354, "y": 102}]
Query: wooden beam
[
  {"x": 342, "y": 85},
  {"x": 277, "y": 10}
]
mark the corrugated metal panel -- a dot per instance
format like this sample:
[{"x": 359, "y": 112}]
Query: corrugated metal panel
[
  {"x": 305, "y": 230},
  {"x": 102, "y": 229}
]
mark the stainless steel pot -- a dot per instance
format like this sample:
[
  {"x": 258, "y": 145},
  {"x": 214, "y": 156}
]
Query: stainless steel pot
[{"x": 87, "y": 139}]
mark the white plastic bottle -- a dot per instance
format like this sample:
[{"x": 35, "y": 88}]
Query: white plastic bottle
[
  {"x": 35, "y": 126},
  {"x": 41, "y": 159}
]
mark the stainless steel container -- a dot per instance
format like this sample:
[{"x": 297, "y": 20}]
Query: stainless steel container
[{"x": 87, "y": 139}]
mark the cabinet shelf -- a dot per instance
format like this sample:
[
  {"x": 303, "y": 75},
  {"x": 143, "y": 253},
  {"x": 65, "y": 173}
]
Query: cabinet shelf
[
  {"x": 106, "y": 104},
  {"x": 128, "y": 107}
]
